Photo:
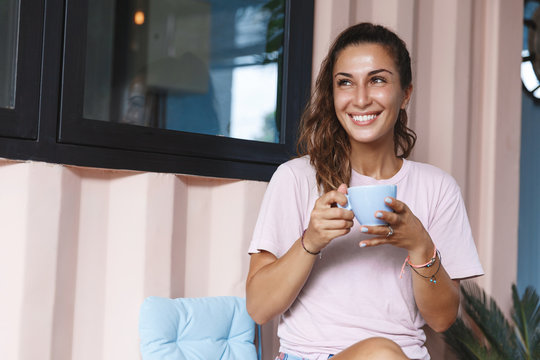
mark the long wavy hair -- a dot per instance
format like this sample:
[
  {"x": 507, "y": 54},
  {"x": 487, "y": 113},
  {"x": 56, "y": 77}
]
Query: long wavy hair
[{"x": 321, "y": 135}]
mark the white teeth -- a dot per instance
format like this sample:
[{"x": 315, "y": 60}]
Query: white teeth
[{"x": 363, "y": 118}]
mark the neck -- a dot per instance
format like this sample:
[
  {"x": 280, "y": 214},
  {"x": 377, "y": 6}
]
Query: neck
[{"x": 378, "y": 163}]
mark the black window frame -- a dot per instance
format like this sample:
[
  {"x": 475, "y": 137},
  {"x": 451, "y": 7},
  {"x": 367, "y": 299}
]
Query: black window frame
[{"x": 62, "y": 136}]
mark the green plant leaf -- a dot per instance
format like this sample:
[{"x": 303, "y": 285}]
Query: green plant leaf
[
  {"x": 464, "y": 343},
  {"x": 486, "y": 314},
  {"x": 526, "y": 316},
  {"x": 496, "y": 338}
]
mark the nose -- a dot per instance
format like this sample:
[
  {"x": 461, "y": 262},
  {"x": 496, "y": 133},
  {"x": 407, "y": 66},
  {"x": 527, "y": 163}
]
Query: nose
[{"x": 362, "y": 97}]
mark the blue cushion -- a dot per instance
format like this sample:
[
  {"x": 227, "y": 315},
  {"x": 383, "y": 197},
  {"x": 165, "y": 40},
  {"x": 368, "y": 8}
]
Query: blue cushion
[{"x": 208, "y": 328}]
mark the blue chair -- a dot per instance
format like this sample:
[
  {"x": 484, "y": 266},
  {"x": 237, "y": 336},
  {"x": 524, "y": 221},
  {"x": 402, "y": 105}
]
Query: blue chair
[{"x": 208, "y": 328}]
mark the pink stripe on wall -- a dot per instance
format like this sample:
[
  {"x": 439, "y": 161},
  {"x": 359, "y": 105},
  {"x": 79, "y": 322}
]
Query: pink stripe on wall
[{"x": 81, "y": 248}]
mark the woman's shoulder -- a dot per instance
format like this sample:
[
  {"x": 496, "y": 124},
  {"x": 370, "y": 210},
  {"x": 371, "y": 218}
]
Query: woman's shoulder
[
  {"x": 426, "y": 169},
  {"x": 299, "y": 167},
  {"x": 297, "y": 170},
  {"x": 425, "y": 172}
]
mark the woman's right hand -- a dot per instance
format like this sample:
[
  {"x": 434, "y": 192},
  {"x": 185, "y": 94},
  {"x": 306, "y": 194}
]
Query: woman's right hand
[{"x": 328, "y": 222}]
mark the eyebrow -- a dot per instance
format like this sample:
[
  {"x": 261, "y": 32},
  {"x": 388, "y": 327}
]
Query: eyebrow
[{"x": 371, "y": 73}]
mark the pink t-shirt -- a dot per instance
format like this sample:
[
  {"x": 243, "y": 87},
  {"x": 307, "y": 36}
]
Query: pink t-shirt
[{"x": 355, "y": 293}]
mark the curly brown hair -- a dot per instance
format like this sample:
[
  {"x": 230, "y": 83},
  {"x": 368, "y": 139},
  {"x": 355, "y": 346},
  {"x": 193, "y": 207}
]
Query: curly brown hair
[{"x": 321, "y": 135}]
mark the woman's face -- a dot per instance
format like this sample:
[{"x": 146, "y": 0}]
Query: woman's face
[{"x": 368, "y": 94}]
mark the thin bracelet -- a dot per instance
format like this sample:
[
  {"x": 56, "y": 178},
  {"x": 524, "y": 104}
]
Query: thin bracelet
[
  {"x": 309, "y": 252},
  {"x": 431, "y": 278},
  {"x": 428, "y": 264}
]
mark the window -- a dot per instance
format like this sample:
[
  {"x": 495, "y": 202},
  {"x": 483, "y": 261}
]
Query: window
[
  {"x": 206, "y": 87},
  {"x": 9, "y": 36},
  {"x": 20, "y": 40}
]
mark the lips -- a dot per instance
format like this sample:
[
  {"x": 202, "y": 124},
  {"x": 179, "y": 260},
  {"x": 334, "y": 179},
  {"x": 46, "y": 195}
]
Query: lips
[{"x": 363, "y": 119}]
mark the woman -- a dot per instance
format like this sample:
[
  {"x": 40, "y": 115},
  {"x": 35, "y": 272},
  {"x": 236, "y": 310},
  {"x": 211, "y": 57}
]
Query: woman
[{"x": 341, "y": 289}]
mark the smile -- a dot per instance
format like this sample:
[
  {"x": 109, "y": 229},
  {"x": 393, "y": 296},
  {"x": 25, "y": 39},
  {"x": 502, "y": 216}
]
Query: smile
[{"x": 364, "y": 119}]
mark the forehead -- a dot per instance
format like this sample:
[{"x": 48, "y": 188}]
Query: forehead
[{"x": 364, "y": 57}]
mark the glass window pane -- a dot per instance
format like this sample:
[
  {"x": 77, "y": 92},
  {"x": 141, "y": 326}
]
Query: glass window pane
[
  {"x": 202, "y": 66},
  {"x": 9, "y": 36}
]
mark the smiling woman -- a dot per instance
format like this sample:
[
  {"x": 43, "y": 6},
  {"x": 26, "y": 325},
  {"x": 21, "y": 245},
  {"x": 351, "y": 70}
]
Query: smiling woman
[{"x": 320, "y": 270}]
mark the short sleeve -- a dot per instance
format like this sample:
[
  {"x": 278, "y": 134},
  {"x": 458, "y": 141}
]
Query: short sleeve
[
  {"x": 451, "y": 232},
  {"x": 282, "y": 216}
]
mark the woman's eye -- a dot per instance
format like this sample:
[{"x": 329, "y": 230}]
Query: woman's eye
[
  {"x": 378, "y": 80},
  {"x": 344, "y": 82}
]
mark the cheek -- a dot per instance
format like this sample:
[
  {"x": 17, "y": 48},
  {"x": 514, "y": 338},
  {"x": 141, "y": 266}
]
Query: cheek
[
  {"x": 382, "y": 95},
  {"x": 388, "y": 98},
  {"x": 340, "y": 100}
]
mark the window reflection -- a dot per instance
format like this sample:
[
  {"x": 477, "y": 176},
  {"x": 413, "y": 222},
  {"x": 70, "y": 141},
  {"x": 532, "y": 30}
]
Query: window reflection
[
  {"x": 9, "y": 34},
  {"x": 210, "y": 67}
]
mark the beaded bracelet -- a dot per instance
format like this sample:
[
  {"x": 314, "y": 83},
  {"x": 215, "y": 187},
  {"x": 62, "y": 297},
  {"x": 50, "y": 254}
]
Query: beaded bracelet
[
  {"x": 431, "y": 278},
  {"x": 309, "y": 252},
  {"x": 428, "y": 264}
]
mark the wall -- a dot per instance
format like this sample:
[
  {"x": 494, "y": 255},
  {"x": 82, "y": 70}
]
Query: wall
[
  {"x": 529, "y": 207},
  {"x": 86, "y": 246},
  {"x": 81, "y": 248}
]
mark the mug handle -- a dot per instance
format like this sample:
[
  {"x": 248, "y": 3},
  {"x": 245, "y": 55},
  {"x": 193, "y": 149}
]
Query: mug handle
[{"x": 348, "y": 205}]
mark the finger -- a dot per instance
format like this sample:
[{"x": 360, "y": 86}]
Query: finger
[
  {"x": 373, "y": 242},
  {"x": 380, "y": 230},
  {"x": 387, "y": 216},
  {"x": 333, "y": 197},
  {"x": 342, "y": 189},
  {"x": 367, "y": 229},
  {"x": 322, "y": 225},
  {"x": 339, "y": 213},
  {"x": 333, "y": 213},
  {"x": 332, "y": 224},
  {"x": 341, "y": 199},
  {"x": 338, "y": 224},
  {"x": 394, "y": 204}
]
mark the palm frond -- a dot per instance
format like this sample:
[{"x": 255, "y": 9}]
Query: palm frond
[
  {"x": 463, "y": 341},
  {"x": 489, "y": 318},
  {"x": 483, "y": 333},
  {"x": 526, "y": 316}
]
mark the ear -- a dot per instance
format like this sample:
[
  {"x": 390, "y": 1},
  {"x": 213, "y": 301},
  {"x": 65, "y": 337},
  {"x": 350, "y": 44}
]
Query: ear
[{"x": 407, "y": 97}]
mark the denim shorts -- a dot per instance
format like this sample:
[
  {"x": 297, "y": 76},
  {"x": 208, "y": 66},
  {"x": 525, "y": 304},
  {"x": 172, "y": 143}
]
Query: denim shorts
[{"x": 284, "y": 356}]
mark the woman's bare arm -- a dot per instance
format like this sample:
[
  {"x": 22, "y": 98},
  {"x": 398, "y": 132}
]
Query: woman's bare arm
[{"x": 273, "y": 284}]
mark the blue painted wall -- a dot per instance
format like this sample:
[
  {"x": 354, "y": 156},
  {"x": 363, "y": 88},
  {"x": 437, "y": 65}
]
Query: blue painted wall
[{"x": 529, "y": 199}]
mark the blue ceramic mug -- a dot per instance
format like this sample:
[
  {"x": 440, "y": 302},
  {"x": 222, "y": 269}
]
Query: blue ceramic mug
[{"x": 366, "y": 200}]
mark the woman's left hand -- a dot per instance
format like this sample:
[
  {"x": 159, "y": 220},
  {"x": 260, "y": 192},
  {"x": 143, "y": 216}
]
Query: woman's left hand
[{"x": 408, "y": 231}]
